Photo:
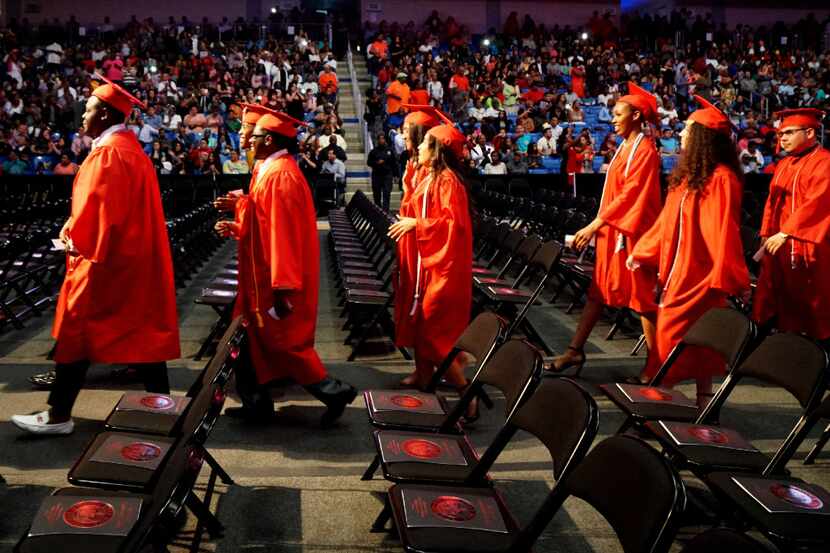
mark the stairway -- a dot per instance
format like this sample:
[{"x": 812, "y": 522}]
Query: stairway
[{"x": 357, "y": 173}]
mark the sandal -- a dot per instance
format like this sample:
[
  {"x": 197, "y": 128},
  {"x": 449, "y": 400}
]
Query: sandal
[
  {"x": 562, "y": 362},
  {"x": 471, "y": 414}
]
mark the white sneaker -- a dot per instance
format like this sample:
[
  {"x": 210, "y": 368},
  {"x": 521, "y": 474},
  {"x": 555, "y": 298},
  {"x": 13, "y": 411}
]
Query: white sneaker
[{"x": 38, "y": 423}]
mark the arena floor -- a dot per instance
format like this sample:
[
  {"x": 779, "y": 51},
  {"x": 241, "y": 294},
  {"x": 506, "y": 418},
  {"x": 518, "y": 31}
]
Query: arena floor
[{"x": 298, "y": 488}]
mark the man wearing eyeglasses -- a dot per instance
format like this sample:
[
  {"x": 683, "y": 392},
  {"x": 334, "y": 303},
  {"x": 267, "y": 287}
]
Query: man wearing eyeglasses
[{"x": 793, "y": 291}]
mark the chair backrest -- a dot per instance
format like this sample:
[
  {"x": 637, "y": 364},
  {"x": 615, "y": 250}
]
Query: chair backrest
[
  {"x": 227, "y": 349},
  {"x": 513, "y": 241},
  {"x": 547, "y": 256},
  {"x": 528, "y": 248},
  {"x": 634, "y": 487},
  {"x": 514, "y": 368},
  {"x": 564, "y": 417},
  {"x": 792, "y": 362},
  {"x": 481, "y": 335},
  {"x": 723, "y": 540},
  {"x": 724, "y": 330}
]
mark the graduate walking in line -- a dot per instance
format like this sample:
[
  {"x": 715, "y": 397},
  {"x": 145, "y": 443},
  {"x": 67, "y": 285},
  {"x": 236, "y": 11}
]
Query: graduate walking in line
[
  {"x": 629, "y": 206},
  {"x": 118, "y": 299},
  {"x": 793, "y": 292},
  {"x": 695, "y": 246}
]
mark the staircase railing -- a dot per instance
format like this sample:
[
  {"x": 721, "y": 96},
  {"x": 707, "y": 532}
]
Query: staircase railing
[{"x": 358, "y": 103}]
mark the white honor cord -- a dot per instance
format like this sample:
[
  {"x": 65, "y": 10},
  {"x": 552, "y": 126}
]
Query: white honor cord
[
  {"x": 418, "y": 265},
  {"x": 792, "y": 205}
]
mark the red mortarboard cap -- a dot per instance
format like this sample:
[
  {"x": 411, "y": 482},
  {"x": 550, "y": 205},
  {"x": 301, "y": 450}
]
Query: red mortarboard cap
[
  {"x": 423, "y": 115},
  {"x": 800, "y": 117},
  {"x": 280, "y": 123},
  {"x": 450, "y": 137},
  {"x": 710, "y": 116},
  {"x": 116, "y": 96},
  {"x": 641, "y": 100},
  {"x": 252, "y": 112}
]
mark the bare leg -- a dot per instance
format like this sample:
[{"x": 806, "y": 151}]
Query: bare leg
[
  {"x": 704, "y": 391},
  {"x": 574, "y": 354},
  {"x": 648, "y": 321},
  {"x": 455, "y": 376}
]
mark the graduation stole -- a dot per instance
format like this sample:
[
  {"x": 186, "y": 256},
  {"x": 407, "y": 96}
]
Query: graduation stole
[
  {"x": 427, "y": 182},
  {"x": 620, "y": 246},
  {"x": 799, "y": 249}
]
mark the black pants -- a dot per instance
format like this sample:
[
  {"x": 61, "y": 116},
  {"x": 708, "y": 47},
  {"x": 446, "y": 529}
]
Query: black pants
[
  {"x": 70, "y": 377},
  {"x": 381, "y": 190}
]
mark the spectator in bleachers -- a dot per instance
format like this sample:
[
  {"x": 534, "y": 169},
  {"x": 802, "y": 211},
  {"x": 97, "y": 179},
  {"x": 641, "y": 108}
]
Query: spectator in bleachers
[
  {"x": 235, "y": 166},
  {"x": 334, "y": 166},
  {"x": 751, "y": 158},
  {"x": 517, "y": 164},
  {"x": 496, "y": 166},
  {"x": 14, "y": 165},
  {"x": 328, "y": 84},
  {"x": 668, "y": 143},
  {"x": 605, "y": 112},
  {"x": 481, "y": 152},
  {"x": 382, "y": 162},
  {"x": 546, "y": 145},
  {"x": 397, "y": 93},
  {"x": 331, "y": 145},
  {"x": 65, "y": 166}
]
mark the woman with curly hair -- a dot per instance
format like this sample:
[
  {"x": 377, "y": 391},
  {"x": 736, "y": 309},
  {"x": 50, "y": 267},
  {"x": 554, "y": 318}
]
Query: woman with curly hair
[
  {"x": 440, "y": 299},
  {"x": 695, "y": 246}
]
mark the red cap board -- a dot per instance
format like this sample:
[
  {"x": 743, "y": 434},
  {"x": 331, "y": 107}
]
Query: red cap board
[
  {"x": 422, "y": 115},
  {"x": 450, "y": 137},
  {"x": 116, "y": 96},
  {"x": 252, "y": 112},
  {"x": 710, "y": 116},
  {"x": 809, "y": 118},
  {"x": 641, "y": 100},
  {"x": 280, "y": 123}
]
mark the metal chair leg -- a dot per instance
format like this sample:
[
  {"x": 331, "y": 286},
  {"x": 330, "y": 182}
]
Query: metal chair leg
[
  {"x": 371, "y": 469},
  {"x": 822, "y": 441}
]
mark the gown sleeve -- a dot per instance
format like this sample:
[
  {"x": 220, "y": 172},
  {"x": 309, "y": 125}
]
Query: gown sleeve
[
  {"x": 102, "y": 206},
  {"x": 286, "y": 242},
  {"x": 720, "y": 215},
  {"x": 810, "y": 221},
  {"x": 648, "y": 249},
  {"x": 438, "y": 236},
  {"x": 626, "y": 211}
]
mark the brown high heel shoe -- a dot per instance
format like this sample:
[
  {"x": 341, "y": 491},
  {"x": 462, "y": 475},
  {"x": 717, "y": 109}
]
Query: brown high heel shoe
[{"x": 565, "y": 361}]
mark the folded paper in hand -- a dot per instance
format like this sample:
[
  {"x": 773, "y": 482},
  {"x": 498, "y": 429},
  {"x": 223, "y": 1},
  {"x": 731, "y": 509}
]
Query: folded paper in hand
[{"x": 759, "y": 255}]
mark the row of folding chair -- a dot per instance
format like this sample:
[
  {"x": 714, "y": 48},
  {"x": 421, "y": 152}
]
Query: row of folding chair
[
  {"x": 133, "y": 480},
  {"x": 364, "y": 264},
  {"x": 750, "y": 487},
  {"x": 442, "y": 498}
]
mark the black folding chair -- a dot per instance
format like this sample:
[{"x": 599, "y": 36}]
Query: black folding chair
[{"x": 724, "y": 540}]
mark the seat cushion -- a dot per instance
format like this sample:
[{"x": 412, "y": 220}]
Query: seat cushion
[
  {"x": 414, "y": 465},
  {"x": 450, "y": 538},
  {"x": 491, "y": 281},
  {"x": 708, "y": 458},
  {"x": 681, "y": 410},
  {"x": 366, "y": 296},
  {"x": 215, "y": 296},
  {"x": 506, "y": 294},
  {"x": 118, "y": 460},
  {"x": 791, "y": 524}
]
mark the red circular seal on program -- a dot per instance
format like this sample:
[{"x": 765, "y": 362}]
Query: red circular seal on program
[
  {"x": 140, "y": 451},
  {"x": 797, "y": 496},
  {"x": 407, "y": 402},
  {"x": 453, "y": 508},
  {"x": 422, "y": 449},
  {"x": 709, "y": 435},
  {"x": 159, "y": 403},
  {"x": 88, "y": 514},
  {"x": 654, "y": 394}
]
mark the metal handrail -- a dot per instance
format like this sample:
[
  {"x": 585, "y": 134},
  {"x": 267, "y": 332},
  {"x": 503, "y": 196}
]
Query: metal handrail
[{"x": 359, "y": 105}]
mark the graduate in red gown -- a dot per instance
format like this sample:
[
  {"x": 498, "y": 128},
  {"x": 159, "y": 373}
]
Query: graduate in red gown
[
  {"x": 441, "y": 297},
  {"x": 279, "y": 288},
  {"x": 118, "y": 299},
  {"x": 695, "y": 246},
  {"x": 793, "y": 292},
  {"x": 629, "y": 206},
  {"x": 420, "y": 119}
]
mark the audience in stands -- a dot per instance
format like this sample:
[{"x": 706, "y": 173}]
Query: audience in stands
[
  {"x": 504, "y": 88},
  {"x": 191, "y": 82}
]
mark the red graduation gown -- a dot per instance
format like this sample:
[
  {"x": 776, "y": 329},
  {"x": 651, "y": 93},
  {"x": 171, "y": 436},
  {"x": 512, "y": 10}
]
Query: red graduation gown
[
  {"x": 444, "y": 240},
  {"x": 118, "y": 299},
  {"x": 696, "y": 247},
  {"x": 630, "y": 204},
  {"x": 407, "y": 260},
  {"x": 279, "y": 250},
  {"x": 794, "y": 285}
]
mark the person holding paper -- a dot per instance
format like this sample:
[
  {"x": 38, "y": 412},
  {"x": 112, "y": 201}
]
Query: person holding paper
[
  {"x": 278, "y": 288},
  {"x": 793, "y": 292},
  {"x": 440, "y": 299},
  {"x": 118, "y": 299},
  {"x": 695, "y": 246},
  {"x": 629, "y": 206}
]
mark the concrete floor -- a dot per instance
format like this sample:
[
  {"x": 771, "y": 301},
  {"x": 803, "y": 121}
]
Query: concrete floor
[{"x": 298, "y": 488}]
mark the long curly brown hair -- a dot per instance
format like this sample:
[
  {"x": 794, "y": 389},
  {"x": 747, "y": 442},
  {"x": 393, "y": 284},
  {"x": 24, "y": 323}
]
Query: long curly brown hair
[{"x": 705, "y": 149}]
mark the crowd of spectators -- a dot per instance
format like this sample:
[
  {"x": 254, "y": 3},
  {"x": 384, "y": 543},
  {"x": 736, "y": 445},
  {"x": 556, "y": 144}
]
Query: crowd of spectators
[
  {"x": 537, "y": 99},
  {"x": 192, "y": 77}
]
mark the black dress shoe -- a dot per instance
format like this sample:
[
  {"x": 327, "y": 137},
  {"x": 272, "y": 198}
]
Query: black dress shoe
[
  {"x": 336, "y": 406},
  {"x": 44, "y": 381}
]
